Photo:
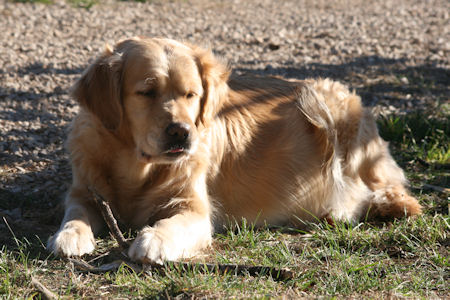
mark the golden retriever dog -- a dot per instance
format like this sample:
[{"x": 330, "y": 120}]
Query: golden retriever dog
[{"x": 179, "y": 148}]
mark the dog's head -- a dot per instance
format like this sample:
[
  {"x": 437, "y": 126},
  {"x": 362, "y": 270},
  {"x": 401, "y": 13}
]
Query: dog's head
[{"x": 164, "y": 92}]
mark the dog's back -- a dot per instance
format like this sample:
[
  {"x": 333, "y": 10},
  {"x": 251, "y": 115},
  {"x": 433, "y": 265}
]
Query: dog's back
[
  {"x": 302, "y": 150},
  {"x": 266, "y": 163}
]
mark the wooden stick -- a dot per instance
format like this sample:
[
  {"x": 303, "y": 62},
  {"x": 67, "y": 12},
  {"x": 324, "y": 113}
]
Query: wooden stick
[
  {"x": 275, "y": 273},
  {"x": 46, "y": 293},
  {"x": 109, "y": 219},
  {"x": 436, "y": 188}
]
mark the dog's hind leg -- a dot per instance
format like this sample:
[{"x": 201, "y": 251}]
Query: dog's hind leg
[
  {"x": 365, "y": 180},
  {"x": 372, "y": 162}
]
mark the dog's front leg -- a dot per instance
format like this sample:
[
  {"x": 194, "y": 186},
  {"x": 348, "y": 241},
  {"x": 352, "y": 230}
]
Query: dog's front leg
[
  {"x": 75, "y": 236},
  {"x": 179, "y": 236},
  {"x": 171, "y": 239}
]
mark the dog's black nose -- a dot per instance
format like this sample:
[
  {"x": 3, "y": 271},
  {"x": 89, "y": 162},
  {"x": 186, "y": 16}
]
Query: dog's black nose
[{"x": 178, "y": 131}]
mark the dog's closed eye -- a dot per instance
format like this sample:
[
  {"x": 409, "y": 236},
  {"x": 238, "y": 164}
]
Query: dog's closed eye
[
  {"x": 150, "y": 93},
  {"x": 190, "y": 95}
]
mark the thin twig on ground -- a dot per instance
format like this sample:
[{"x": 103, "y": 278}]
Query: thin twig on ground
[
  {"x": 45, "y": 292},
  {"x": 436, "y": 188},
  {"x": 109, "y": 219},
  {"x": 275, "y": 273}
]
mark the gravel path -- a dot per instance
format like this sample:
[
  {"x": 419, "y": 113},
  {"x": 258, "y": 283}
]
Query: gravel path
[{"x": 395, "y": 53}]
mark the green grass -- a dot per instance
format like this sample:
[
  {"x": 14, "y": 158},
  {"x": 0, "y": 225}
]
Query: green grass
[
  {"x": 87, "y": 4},
  {"x": 420, "y": 143},
  {"x": 402, "y": 258},
  {"x": 420, "y": 135}
]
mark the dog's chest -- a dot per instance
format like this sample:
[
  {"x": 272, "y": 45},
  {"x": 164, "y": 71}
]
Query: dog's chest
[
  {"x": 127, "y": 180},
  {"x": 142, "y": 192}
]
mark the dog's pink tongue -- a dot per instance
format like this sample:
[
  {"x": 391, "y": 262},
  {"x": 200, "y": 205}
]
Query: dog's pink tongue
[{"x": 176, "y": 150}]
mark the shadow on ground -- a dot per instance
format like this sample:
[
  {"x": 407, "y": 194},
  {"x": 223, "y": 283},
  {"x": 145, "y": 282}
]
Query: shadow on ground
[{"x": 375, "y": 78}]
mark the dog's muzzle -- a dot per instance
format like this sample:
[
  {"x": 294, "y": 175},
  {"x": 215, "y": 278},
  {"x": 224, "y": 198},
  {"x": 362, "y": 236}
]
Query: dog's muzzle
[{"x": 178, "y": 138}]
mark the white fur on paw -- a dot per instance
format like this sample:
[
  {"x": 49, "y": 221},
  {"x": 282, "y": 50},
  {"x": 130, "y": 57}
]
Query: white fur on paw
[
  {"x": 149, "y": 246},
  {"x": 72, "y": 241}
]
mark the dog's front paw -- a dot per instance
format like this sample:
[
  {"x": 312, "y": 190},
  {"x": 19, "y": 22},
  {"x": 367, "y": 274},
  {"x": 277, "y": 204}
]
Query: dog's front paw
[
  {"x": 152, "y": 245},
  {"x": 74, "y": 239}
]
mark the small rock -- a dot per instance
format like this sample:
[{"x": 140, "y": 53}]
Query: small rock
[{"x": 273, "y": 46}]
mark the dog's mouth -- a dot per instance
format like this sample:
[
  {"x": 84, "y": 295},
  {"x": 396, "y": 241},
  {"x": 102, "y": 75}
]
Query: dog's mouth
[
  {"x": 173, "y": 151},
  {"x": 176, "y": 150}
]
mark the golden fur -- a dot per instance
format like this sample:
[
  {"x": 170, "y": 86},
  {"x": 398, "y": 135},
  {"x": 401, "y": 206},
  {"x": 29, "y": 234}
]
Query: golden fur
[{"x": 179, "y": 148}]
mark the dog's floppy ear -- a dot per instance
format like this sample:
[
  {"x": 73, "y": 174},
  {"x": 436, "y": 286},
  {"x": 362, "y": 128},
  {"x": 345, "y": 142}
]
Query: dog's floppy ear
[
  {"x": 214, "y": 79},
  {"x": 99, "y": 89}
]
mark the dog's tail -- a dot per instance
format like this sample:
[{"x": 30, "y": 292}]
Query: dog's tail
[
  {"x": 335, "y": 114},
  {"x": 365, "y": 180}
]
